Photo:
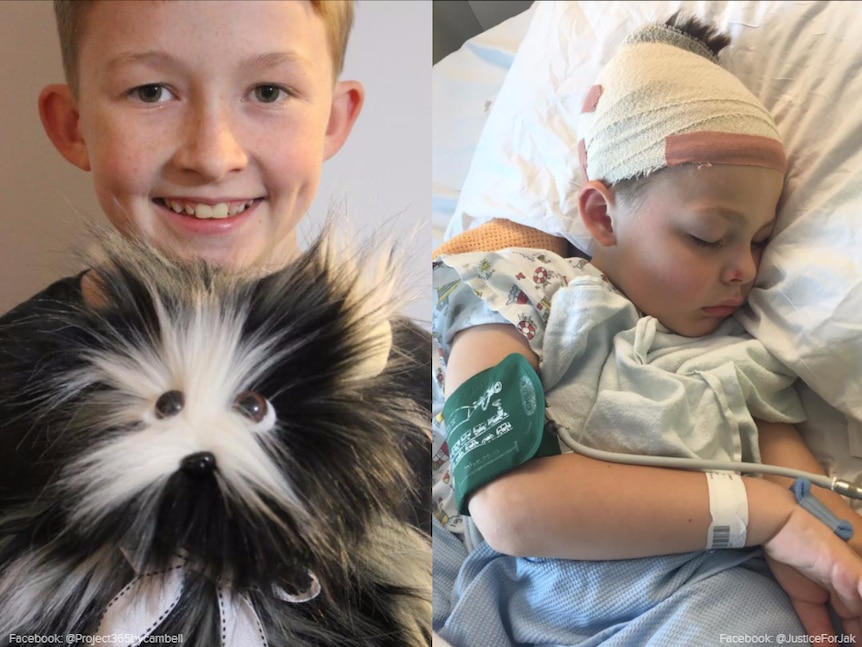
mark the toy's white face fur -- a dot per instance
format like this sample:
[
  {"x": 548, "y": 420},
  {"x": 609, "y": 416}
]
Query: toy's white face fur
[
  {"x": 248, "y": 424},
  {"x": 185, "y": 396}
]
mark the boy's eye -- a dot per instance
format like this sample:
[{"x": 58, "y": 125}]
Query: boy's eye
[
  {"x": 760, "y": 244},
  {"x": 269, "y": 93},
  {"x": 700, "y": 242},
  {"x": 150, "y": 93}
]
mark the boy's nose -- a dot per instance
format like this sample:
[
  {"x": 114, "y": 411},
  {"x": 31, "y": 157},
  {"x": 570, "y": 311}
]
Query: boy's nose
[
  {"x": 742, "y": 267},
  {"x": 210, "y": 147}
]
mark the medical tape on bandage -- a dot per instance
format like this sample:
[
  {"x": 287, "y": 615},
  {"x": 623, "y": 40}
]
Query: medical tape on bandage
[
  {"x": 495, "y": 422},
  {"x": 728, "y": 506}
]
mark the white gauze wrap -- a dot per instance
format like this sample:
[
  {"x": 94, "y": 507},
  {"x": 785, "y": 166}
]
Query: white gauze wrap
[{"x": 663, "y": 100}]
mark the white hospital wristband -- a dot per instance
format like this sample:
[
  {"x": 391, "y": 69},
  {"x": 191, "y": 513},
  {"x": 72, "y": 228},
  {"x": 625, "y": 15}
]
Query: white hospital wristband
[{"x": 728, "y": 506}]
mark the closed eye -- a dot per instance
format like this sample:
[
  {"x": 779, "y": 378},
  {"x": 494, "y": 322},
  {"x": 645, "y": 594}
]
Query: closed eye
[{"x": 700, "y": 242}]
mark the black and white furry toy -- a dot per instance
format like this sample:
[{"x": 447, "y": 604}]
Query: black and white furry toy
[{"x": 218, "y": 459}]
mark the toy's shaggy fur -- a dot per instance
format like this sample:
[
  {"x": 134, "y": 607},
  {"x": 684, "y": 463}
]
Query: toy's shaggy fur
[{"x": 325, "y": 476}]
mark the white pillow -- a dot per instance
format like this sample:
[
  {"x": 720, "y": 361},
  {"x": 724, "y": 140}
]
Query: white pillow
[{"x": 804, "y": 61}]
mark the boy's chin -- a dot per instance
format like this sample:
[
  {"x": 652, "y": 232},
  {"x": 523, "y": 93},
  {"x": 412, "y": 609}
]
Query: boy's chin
[
  {"x": 240, "y": 247},
  {"x": 236, "y": 256},
  {"x": 696, "y": 328},
  {"x": 243, "y": 256},
  {"x": 231, "y": 258}
]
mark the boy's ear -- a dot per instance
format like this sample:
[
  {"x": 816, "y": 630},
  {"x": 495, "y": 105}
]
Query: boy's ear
[
  {"x": 595, "y": 203},
  {"x": 347, "y": 99},
  {"x": 59, "y": 113}
]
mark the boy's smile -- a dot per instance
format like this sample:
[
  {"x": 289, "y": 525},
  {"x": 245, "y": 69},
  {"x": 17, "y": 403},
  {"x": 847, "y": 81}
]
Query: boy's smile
[
  {"x": 221, "y": 209},
  {"x": 205, "y": 125},
  {"x": 201, "y": 217}
]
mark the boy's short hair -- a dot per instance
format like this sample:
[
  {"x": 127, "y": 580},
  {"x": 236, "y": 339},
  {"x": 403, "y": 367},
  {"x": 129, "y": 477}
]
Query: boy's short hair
[{"x": 337, "y": 15}]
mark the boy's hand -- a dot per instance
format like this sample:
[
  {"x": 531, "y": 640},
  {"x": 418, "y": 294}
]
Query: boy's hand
[
  {"x": 781, "y": 444},
  {"x": 815, "y": 567}
]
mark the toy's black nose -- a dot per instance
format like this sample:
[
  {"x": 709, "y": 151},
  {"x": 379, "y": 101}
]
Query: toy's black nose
[{"x": 198, "y": 464}]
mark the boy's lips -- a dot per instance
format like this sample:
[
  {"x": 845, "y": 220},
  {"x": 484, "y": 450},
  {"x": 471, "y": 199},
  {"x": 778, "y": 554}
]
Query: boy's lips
[
  {"x": 723, "y": 309},
  {"x": 205, "y": 209},
  {"x": 201, "y": 217}
]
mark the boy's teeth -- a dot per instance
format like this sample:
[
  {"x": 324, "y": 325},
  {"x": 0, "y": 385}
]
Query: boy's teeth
[{"x": 220, "y": 210}]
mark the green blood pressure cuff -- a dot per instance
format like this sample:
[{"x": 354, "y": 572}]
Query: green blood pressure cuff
[{"x": 495, "y": 421}]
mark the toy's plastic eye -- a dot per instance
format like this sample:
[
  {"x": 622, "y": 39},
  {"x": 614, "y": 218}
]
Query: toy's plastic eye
[
  {"x": 169, "y": 404},
  {"x": 252, "y": 405},
  {"x": 308, "y": 588}
]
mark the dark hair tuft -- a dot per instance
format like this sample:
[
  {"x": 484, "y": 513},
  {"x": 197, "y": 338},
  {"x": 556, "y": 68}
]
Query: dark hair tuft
[{"x": 707, "y": 34}]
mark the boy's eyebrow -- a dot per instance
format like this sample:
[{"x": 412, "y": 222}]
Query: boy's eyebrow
[
  {"x": 725, "y": 212},
  {"x": 148, "y": 57},
  {"x": 274, "y": 59},
  {"x": 722, "y": 212},
  {"x": 157, "y": 57},
  {"x": 732, "y": 215}
]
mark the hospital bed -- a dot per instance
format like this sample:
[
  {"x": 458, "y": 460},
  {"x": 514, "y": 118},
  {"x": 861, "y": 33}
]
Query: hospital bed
[{"x": 505, "y": 140}]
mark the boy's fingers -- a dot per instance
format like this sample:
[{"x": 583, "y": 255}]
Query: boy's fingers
[
  {"x": 853, "y": 627},
  {"x": 814, "y": 617},
  {"x": 847, "y": 592},
  {"x": 850, "y": 621}
]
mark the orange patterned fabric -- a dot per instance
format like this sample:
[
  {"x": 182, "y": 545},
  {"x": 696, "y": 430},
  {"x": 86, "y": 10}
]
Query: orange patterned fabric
[{"x": 500, "y": 234}]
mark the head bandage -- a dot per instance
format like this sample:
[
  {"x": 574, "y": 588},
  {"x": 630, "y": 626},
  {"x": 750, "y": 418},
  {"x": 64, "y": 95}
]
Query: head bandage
[{"x": 663, "y": 100}]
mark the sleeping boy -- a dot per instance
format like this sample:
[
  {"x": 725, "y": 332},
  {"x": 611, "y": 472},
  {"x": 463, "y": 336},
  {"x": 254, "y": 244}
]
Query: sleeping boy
[{"x": 684, "y": 168}]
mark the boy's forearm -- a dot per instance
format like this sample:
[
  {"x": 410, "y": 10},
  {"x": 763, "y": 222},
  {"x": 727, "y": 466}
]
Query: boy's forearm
[{"x": 574, "y": 507}]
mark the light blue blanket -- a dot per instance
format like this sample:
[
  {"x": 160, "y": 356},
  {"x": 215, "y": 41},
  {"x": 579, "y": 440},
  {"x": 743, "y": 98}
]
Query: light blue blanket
[{"x": 486, "y": 599}]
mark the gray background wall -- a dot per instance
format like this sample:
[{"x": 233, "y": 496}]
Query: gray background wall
[
  {"x": 455, "y": 21},
  {"x": 382, "y": 174}
]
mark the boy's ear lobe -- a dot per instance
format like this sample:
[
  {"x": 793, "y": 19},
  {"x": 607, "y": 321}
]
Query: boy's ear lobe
[
  {"x": 59, "y": 113},
  {"x": 595, "y": 203},
  {"x": 347, "y": 99}
]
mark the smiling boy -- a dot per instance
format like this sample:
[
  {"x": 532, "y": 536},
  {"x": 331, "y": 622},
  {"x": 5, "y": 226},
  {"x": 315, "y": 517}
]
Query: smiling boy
[{"x": 204, "y": 125}]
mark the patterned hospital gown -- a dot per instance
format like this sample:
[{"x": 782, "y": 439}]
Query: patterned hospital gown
[{"x": 614, "y": 378}]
